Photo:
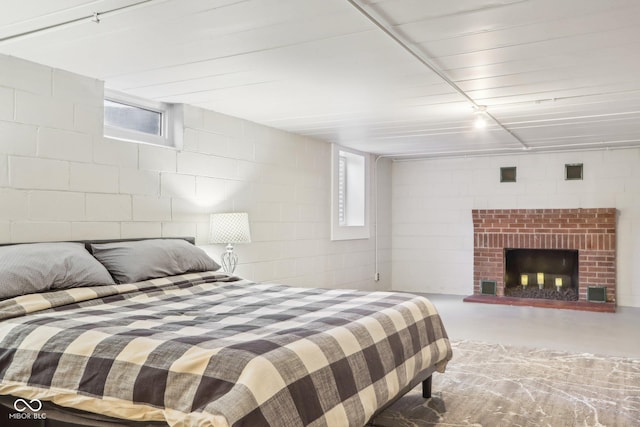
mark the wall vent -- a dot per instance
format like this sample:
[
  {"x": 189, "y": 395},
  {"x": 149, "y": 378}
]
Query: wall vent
[
  {"x": 508, "y": 174},
  {"x": 488, "y": 287},
  {"x": 573, "y": 171},
  {"x": 597, "y": 294}
]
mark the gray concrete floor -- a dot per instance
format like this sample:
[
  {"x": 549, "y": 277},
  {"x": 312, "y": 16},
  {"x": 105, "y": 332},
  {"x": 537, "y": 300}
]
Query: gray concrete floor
[{"x": 612, "y": 334}]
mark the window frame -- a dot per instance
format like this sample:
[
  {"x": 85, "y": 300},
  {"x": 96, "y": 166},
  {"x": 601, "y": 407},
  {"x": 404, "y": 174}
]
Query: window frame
[
  {"x": 346, "y": 231},
  {"x": 171, "y": 121}
]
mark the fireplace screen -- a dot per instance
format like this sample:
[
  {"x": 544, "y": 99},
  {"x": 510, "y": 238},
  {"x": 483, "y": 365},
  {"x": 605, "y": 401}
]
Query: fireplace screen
[{"x": 541, "y": 273}]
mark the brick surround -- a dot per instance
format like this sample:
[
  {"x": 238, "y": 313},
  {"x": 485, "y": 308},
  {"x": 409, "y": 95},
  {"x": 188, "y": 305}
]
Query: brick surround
[{"x": 590, "y": 231}]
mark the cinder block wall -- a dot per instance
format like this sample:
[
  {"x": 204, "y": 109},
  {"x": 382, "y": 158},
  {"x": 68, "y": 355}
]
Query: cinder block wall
[
  {"x": 432, "y": 201},
  {"x": 60, "y": 179}
]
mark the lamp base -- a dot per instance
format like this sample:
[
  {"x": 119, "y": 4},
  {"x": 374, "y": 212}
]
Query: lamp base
[{"x": 229, "y": 260}]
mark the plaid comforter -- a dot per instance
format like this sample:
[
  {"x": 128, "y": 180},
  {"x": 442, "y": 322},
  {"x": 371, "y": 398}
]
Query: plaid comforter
[{"x": 211, "y": 350}]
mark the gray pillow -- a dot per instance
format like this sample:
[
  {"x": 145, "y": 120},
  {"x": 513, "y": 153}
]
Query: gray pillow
[
  {"x": 130, "y": 262},
  {"x": 42, "y": 267}
]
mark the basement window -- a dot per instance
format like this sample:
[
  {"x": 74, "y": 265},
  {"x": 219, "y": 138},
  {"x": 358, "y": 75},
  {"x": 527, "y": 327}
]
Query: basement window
[
  {"x": 350, "y": 194},
  {"x": 134, "y": 119}
]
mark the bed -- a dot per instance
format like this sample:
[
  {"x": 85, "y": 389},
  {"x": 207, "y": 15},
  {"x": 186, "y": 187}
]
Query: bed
[{"x": 151, "y": 332}]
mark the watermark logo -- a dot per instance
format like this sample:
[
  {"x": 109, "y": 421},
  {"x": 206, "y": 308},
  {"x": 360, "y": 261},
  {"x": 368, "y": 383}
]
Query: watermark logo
[
  {"x": 22, "y": 405},
  {"x": 27, "y": 410}
]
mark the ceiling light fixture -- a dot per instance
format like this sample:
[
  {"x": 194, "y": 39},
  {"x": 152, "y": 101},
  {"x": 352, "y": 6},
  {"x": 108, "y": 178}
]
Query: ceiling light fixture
[
  {"x": 481, "y": 117},
  {"x": 480, "y": 123}
]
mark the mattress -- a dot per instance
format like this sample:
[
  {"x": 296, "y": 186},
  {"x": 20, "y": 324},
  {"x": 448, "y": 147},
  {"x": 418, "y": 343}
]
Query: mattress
[{"x": 209, "y": 349}]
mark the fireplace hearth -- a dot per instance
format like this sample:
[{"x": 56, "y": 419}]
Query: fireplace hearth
[{"x": 552, "y": 255}]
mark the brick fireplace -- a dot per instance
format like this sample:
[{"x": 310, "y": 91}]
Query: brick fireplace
[{"x": 591, "y": 232}]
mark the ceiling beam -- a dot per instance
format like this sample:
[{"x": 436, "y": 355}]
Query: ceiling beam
[{"x": 388, "y": 29}]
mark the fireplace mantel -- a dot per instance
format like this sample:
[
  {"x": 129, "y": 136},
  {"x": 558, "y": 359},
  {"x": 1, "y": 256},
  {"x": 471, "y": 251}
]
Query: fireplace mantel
[{"x": 592, "y": 232}]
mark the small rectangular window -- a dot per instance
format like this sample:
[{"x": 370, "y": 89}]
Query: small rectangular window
[
  {"x": 349, "y": 218},
  {"x": 129, "y": 118}
]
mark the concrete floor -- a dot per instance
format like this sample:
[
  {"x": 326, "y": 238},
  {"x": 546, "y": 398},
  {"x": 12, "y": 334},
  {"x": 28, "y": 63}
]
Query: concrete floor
[{"x": 608, "y": 334}]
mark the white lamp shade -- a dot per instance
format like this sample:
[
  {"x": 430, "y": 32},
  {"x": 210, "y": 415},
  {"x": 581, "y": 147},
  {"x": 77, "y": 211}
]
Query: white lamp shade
[{"x": 230, "y": 228}]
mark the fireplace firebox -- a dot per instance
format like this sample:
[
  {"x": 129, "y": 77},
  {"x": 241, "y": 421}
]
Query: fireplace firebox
[{"x": 541, "y": 273}]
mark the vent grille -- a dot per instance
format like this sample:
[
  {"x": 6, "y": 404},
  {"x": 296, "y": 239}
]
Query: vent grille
[
  {"x": 597, "y": 294},
  {"x": 488, "y": 287}
]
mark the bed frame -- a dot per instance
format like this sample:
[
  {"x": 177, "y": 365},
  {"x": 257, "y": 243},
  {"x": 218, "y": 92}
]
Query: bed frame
[{"x": 58, "y": 416}]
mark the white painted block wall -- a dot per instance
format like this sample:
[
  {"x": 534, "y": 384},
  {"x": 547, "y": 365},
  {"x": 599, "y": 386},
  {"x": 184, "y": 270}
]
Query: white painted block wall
[
  {"x": 60, "y": 179},
  {"x": 432, "y": 231}
]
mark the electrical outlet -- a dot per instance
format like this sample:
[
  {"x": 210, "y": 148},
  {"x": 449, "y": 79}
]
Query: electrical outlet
[{"x": 377, "y": 277}]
